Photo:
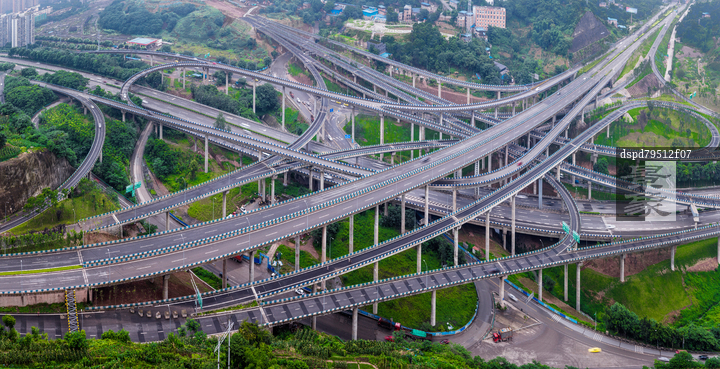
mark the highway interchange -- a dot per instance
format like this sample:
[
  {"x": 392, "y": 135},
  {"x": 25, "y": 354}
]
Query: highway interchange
[{"x": 365, "y": 188}]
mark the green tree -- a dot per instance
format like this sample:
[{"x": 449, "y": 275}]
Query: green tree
[
  {"x": 8, "y": 321},
  {"x": 3, "y": 139},
  {"x": 601, "y": 166},
  {"x": 77, "y": 340},
  {"x": 220, "y": 122},
  {"x": 266, "y": 98}
]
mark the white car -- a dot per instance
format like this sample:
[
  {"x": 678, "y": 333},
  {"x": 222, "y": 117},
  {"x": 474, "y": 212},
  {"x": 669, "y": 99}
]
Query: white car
[
  {"x": 512, "y": 297},
  {"x": 300, "y": 291},
  {"x": 610, "y": 226}
]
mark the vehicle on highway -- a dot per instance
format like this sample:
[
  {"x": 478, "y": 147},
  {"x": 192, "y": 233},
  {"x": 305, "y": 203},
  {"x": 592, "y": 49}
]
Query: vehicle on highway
[
  {"x": 312, "y": 118},
  {"x": 327, "y": 176},
  {"x": 505, "y": 334},
  {"x": 512, "y": 297},
  {"x": 703, "y": 357},
  {"x": 390, "y": 338},
  {"x": 663, "y": 359},
  {"x": 389, "y": 324},
  {"x": 611, "y": 226},
  {"x": 519, "y": 163},
  {"x": 298, "y": 100},
  {"x": 243, "y": 210},
  {"x": 594, "y": 349},
  {"x": 292, "y": 96},
  {"x": 426, "y": 160},
  {"x": 300, "y": 291},
  {"x": 445, "y": 341},
  {"x": 679, "y": 351}
]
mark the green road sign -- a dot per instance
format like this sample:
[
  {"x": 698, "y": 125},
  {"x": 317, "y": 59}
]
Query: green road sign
[
  {"x": 576, "y": 236},
  {"x": 566, "y": 228},
  {"x": 132, "y": 188}
]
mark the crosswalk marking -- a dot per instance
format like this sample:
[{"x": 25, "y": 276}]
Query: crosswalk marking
[
  {"x": 556, "y": 318},
  {"x": 638, "y": 349},
  {"x": 597, "y": 337}
]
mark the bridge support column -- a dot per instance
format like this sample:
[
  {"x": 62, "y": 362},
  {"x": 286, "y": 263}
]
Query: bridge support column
[
  {"x": 472, "y": 118},
  {"x": 160, "y": 128},
  {"x": 314, "y": 319},
  {"x": 166, "y": 286},
  {"x": 382, "y": 133},
  {"x": 607, "y": 131},
  {"x": 412, "y": 139},
  {"x": 310, "y": 170},
  {"x": 321, "y": 173},
  {"x": 376, "y": 234},
  {"x": 468, "y": 98},
  {"x": 540, "y": 192},
  {"x": 456, "y": 231},
  {"x": 253, "y": 96},
  {"x": 718, "y": 248},
  {"x": 224, "y": 274},
  {"x": 540, "y": 285},
  {"x": 354, "y": 323},
  {"x": 206, "y": 153},
  {"x": 352, "y": 117},
  {"x": 183, "y": 77},
  {"x": 376, "y": 270},
  {"x": 513, "y": 112},
  {"x": 252, "y": 269},
  {"x": 224, "y": 206},
  {"x": 402, "y": 214},
  {"x": 439, "y": 89},
  {"x": 565, "y": 283},
  {"x": 454, "y": 199},
  {"x": 496, "y": 108},
  {"x": 283, "y": 107},
  {"x": 504, "y": 237},
  {"x": 427, "y": 204},
  {"x": 285, "y": 175},
  {"x": 589, "y": 190},
  {"x": 272, "y": 190},
  {"x": 557, "y": 173},
  {"x": 433, "y": 308},
  {"x": 151, "y": 61},
  {"x": 573, "y": 163},
  {"x": 297, "y": 253},
  {"x": 490, "y": 162},
  {"x": 167, "y": 220},
  {"x": 502, "y": 292},
  {"x": 323, "y": 254},
  {"x": 672, "y": 257},
  {"x": 512, "y": 226},
  {"x": 264, "y": 188},
  {"x": 413, "y": 76},
  {"x": 227, "y": 87},
  {"x": 487, "y": 236},
  {"x": 123, "y": 116},
  {"x": 622, "y": 268},
  {"x": 350, "y": 233},
  {"x": 577, "y": 286},
  {"x": 477, "y": 172}
]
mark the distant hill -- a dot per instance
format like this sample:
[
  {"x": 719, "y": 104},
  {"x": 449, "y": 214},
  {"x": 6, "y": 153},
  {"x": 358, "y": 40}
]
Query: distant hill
[{"x": 588, "y": 30}]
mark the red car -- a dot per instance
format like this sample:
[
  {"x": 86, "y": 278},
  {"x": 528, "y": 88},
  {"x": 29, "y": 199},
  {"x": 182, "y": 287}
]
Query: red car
[
  {"x": 390, "y": 338},
  {"x": 445, "y": 341},
  {"x": 519, "y": 163}
]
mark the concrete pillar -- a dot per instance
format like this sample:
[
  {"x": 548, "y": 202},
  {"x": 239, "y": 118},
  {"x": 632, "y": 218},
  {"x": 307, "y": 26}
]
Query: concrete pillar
[
  {"x": 352, "y": 117},
  {"x": 718, "y": 249},
  {"x": 167, "y": 220},
  {"x": 227, "y": 87},
  {"x": 607, "y": 131},
  {"x": 160, "y": 128},
  {"x": 402, "y": 214},
  {"x": 272, "y": 191},
  {"x": 672, "y": 257},
  {"x": 433, "y": 308},
  {"x": 472, "y": 117},
  {"x": 351, "y": 234},
  {"x": 540, "y": 192},
  {"x": 224, "y": 273},
  {"x": 412, "y": 139},
  {"x": 557, "y": 173},
  {"x": 504, "y": 238},
  {"x": 490, "y": 162},
  {"x": 507, "y": 147},
  {"x": 439, "y": 89},
  {"x": 252, "y": 268},
  {"x": 468, "y": 95},
  {"x": 285, "y": 175},
  {"x": 151, "y": 60},
  {"x": 455, "y": 245},
  {"x": 376, "y": 238},
  {"x": 502, "y": 291},
  {"x": 512, "y": 236},
  {"x": 123, "y": 116},
  {"x": 487, "y": 235},
  {"x": 565, "y": 283},
  {"x": 513, "y": 112},
  {"x": 622, "y": 268},
  {"x": 224, "y": 206},
  {"x": 322, "y": 179},
  {"x": 354, "y": 323},
  {"x": 573, "y": 163},
  {"x": 314, "y": 319},
  {"x": 166, "y": 283},
  {"x": 283, "y": 106},
  {"x": 310, "y": 170},
  {"x": 206, "y": 153},
  {"x": 382, "y": 133},
  {"x": 540, "y": 285},
  {"x": 183, "y": 76},
  {"x": 413, "y": 76},
  {"x": 454, "y": 203},
  {"x": 496, "y": 108},
  {"x": 253, "y": 84},
  {"x": 385, "y": 209},
  {"x": 376, "y": 270},
  {"x": 589, "y": 190},
  {"x": 577, "y": 286},
  {"x": 427, "y": 204},
  {"x": 297, "y": 252},
  {"x": 323, "y": 254}
]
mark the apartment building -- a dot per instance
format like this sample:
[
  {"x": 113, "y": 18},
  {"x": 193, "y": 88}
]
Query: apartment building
[{"x": 487, "y": 16}]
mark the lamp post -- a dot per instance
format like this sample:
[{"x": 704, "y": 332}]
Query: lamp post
[{"x": 426, "y": 277}]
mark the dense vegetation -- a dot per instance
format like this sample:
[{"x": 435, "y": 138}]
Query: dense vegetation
[
  {"x": 133, "y": 19},
  {"x": 240, "y": 102},
  {"x": 165, "y": 160},
  {"x": 700, "y": 32}
]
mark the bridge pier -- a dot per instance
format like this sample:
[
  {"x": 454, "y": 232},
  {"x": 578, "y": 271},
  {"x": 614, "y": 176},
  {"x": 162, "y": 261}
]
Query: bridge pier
[
  {"x": 433, "y": 308},
  {"x": 607, "y": 131},
  {"x": 427, "y": 204},
  {"x": 477, "y": 172},
  {"x": 310, "y": 178},
  {"x": 183, "y": 77},
  {"x": 622, "y": 268},
  {"x": 513, "y": 112},
  {"x": 455, "y": 245},
  {"x": 352, "y": 117},
  {"x": 413, "y": 77},
  {"x": 496, "y": 108},
  {"x": 252, "y": 270},
  {"x": 439, "y": 89},
  {"x": 283, "y": 106},
  {"x": 323, "y": 254},
  {"x": 224, "y": 274},
  {"x": 224, "y": 205},
  {"x": 272, "y": 190},
  {"x": 512, "y": 236},
  {"x": 487, "y": 236},
  {"x": 382, "y": 133},
  {"x": 589, "y": 190},
  {"x": 285, "y": 175},
  {"x": 504, "y": 237},
  {"x": 354, "y": 323},
  {"x": 264, "y": 188},
  {"x": 376, "y": 270},
  {"x": 573, "y": 163},
  {"x": 468, "y": 98},
  {"x": 577, "y": 286},
  {"x": 314, "y": 318},
  {"x": 297, "y": 253},
  {"x": 376, "y": 234},
  {"x": 557, "y": 173},
  {"x": 540, "y": 284},
  {"x": 253, "y": 84},
  {"x": 454, "y": 199},
  {"x": 672, "y": 257},
  {"x": 151, "y": 60},
  {"x": 402, "y": 214},
  {"x": 718, "y": 248},
  {"x": 227, "y": 89},
  {"x": 166, "y": 286},
  {"x": 412, "y": 139},
  {"x": 206, "y": 153},
  {"x": 540, "y": 192},
  {"x": 502, "y": 291},
  {"x": 123, "y": 116},
  {"x": 565, "y": 282},
  {"x": 160, "y": 128}
]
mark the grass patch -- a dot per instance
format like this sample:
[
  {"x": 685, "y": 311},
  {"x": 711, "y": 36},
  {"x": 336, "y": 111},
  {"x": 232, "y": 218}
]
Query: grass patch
[
  {"x": 296, "y": 70},
  {"x": 208, "y": 277},
  {"x": 288, "y": 259},
  {"x": 46, "y": 270},
  {"x": 41, "y": 308}
]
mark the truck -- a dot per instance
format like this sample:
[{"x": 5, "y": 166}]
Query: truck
[
  {"x": 505, "y": 334},
  {"x": 389, "y": 324},
  {"x": 417, "y": 335}
]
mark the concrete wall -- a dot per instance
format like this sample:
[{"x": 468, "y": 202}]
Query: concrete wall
[{"x": 38, "y": 298}]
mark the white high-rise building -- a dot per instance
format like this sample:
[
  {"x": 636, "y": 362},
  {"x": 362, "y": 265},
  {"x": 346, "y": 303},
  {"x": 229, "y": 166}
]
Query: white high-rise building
[{"x": 18, "y": 28}]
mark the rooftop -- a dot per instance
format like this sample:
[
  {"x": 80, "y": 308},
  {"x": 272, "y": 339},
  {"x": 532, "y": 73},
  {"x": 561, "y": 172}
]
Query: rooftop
[{"x": 143, "y": 41}]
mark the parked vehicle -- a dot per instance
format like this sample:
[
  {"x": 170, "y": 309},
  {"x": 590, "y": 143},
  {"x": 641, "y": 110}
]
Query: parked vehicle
[{"x": 505, "y": 334}]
